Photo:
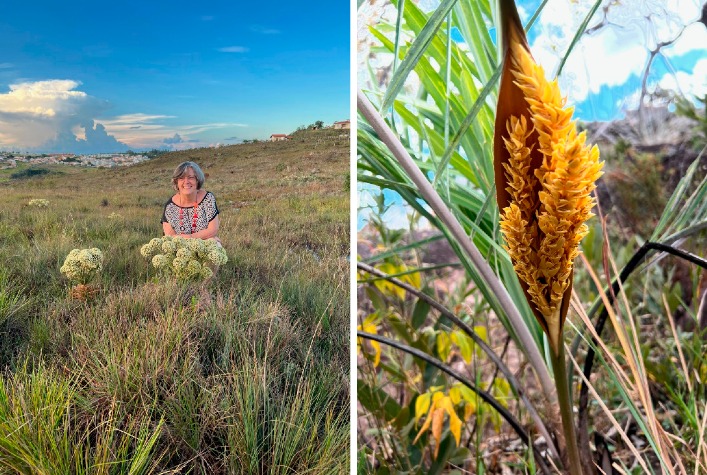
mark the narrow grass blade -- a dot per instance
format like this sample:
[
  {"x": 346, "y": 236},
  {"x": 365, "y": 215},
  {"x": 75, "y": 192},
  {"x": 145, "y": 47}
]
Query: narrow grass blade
[
  {"x": 401, "y": 249},
  {"x": 535, "y": 16},
  {"x": 416, "y": 51},
  {"x": 469, "y": 119}
]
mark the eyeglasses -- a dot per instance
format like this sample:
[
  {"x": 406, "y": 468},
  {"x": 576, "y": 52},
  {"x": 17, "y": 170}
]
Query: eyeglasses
[{"x": 187, "y": 177}]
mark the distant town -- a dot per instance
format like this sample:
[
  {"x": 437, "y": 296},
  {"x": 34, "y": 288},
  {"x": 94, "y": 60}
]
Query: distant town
[{"x": 100, "y": 160}]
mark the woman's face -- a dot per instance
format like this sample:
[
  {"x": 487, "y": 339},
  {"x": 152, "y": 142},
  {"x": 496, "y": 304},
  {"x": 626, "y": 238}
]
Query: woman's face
[{"x": 187, "y": 183}]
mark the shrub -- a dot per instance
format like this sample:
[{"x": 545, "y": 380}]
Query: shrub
[
  {"x": 81, "y": 265},
  {"x": 185, "y": 259},
  {"x": 29, "y": 172},
  {"x": 38, "y": 203}
]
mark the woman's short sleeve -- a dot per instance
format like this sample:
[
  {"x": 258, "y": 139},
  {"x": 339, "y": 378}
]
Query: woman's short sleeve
[
  {"x": 165, "y": 218},
  {"x": 210, "y": 208}
]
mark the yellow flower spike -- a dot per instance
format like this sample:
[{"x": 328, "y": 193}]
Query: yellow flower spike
[{"x": 544, "y": 175}]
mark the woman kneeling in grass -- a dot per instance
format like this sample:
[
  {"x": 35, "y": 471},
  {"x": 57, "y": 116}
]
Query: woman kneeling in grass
[{"x": 191, "y": 212}]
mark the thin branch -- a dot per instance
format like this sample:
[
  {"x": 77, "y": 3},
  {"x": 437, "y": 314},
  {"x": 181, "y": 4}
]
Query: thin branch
[
  {"x": 688, "y": 256},
  {"x": 603, "y": 23},
  {"x": 646, "y": 71},
  {"x": 510, "y": 377},
  {"x": 514, "y": 423},
  {"x": 527, "y": 343},
  {"x": 412, "y": 271}
]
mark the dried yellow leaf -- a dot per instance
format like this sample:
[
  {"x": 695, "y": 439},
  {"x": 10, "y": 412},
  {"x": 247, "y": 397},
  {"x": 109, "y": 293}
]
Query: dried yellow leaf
[{"x": 369, "y": 326}]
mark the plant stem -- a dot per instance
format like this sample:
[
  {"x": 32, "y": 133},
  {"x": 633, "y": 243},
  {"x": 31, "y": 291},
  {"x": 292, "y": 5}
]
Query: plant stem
[{"x": 563, "y": 397}]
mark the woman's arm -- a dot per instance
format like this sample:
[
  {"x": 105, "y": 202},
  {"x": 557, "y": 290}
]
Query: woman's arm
[
  {"x": 168, "y": 230},
  {"x": 210, "y": 232}
]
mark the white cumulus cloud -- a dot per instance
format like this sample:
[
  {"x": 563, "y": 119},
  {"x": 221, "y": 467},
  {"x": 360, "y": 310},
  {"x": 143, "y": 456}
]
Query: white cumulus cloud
[
  {"x": 143, "y": 131},
  {"x": 43, "y": 98},
  {"x": 694, "y": 84},
  {"x": 56, "y": 116},
  {"x": 43, "y": 114},
  {"x": 694, "y": 35}
]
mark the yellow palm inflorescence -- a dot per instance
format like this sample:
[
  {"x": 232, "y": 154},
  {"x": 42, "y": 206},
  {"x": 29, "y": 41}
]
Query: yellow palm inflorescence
[{"x": 549, "y": 172}]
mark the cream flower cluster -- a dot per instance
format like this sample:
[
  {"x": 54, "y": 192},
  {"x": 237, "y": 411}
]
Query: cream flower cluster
[
  {"x": 82, "y": 264},
  {"x": 186, "y": 259},
  {"x": 38, "y": 203}
]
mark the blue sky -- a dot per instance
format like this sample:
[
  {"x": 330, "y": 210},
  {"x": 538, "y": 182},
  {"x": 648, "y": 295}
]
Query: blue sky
[{"x": 99, "y": 77}]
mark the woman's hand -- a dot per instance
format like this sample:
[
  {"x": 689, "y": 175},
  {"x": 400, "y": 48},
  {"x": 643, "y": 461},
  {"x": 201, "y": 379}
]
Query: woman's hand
[
  {"x": 210, "y": 232},
  {"x": 168, "y": 230}
]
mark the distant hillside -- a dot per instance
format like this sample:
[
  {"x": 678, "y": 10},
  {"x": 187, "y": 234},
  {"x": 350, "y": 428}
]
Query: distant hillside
[
  {"x": 651, "y": 127},
  {"x": 312, "y": 162}
]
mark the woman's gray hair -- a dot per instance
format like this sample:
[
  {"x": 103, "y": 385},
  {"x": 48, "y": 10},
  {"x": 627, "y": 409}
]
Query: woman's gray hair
[{"x": 182, "y": 169}]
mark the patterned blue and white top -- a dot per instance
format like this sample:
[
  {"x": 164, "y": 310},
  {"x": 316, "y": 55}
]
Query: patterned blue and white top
[{"x": 181, "y": 218}]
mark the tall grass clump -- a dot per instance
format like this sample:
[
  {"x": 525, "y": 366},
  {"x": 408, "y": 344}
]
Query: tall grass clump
[
  {"x": 286, "y": 412},
  {"x": 45, "y": 429},
  {"x": 14, "y": 316},
  {"x": 476, "y": 351}
]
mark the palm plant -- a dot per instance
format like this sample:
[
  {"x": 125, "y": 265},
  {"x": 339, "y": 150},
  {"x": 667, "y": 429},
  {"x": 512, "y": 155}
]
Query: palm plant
[{"x": 429, "y": 136}]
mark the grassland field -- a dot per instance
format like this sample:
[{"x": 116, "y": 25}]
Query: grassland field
[{"x": 245, "y": 374}]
